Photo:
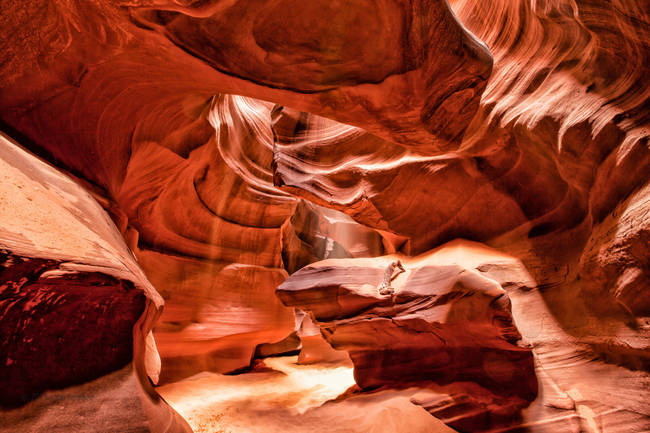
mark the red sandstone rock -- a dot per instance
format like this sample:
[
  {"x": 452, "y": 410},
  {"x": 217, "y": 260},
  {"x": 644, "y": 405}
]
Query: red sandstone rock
[
  {"x": 315, "y": 233},
  {"x": 591, "y": 366},
  {"x": 580, "y": 356},
  {"x": 127, "y": 96},
  {"x": 422, "y": 95},
  {"x": 218, "y": 273},
  {"x": 149, "y": 153},
  {"x": 617, "y": 257},
  {"x": 444, "y": 324},
  {"x": 74, "y": 307},
  {"x": 559, "y": 140},
  {"x": 53, "y": 347}
]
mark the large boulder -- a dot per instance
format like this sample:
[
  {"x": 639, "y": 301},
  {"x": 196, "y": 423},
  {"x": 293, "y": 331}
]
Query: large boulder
[{"x": 444, "y": 324}]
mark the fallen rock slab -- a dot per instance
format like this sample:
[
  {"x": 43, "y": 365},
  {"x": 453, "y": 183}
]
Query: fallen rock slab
[{"x": 446, "y": 326}]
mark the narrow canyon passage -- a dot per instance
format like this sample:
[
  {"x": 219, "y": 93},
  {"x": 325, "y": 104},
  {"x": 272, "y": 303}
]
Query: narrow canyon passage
[{"x": 343, "y": 216}]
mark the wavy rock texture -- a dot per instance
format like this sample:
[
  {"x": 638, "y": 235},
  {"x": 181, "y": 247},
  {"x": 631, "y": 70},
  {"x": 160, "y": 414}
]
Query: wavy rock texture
[
  {"x": 390, "y": 112},
  {"x": 591, "y": 366},
  {"x": 384, "y": 185},
  {"x": 423, "y": 95},
  {"x": 135, "y": 117},
  {"x": 574, "y": 61},
  {"x": 74, "y": 307},
  {"x": 444, "y": 324},
  {"x": 560, "y": 139},
  {"x": 155, "y": 175},
  {"x": 586, "y": 367},
  {"x": 219, "y": 272},
  {"x": 617, "y": 255}
]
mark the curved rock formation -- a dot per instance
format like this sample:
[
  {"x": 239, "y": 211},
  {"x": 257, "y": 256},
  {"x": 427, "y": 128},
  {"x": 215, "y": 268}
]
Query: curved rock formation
[
  {"x": 579, "y": 356},
  {"x": 573, "y": 61},
  {"x": 74, "y": 307},
  {"x": 315, "y": 233},
  {"x": 226, "y": 139},
  {"x": 149, "y": 153},
  {"x": 560, "y": 140},
  {"x": 218, "y": 273},
  {"x": 617, "y": 256},
  {"x": 444, "y": 324},
  {"x": 423, "y": 95}
]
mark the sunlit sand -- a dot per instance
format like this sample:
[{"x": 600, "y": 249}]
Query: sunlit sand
[{"x": 292, "y": 398}]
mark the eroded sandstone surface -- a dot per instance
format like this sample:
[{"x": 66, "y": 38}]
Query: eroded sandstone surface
[
  {"x": 579, "y": 356},
  {"x": 233, "y": 143},
  {"x": 74, "y": 307},
  {"x": 443, "y": 324}
]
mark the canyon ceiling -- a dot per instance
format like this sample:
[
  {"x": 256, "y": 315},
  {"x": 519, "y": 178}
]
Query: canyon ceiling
[{"x": 196, "y": 185}]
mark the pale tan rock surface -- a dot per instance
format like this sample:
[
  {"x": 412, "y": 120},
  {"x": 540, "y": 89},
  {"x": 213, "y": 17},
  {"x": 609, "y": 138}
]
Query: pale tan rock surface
[{"x": 286, "y": 397}]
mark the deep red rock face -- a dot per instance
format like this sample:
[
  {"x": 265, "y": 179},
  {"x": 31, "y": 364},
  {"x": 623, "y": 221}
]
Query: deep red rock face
[
  {"x": 61, "y": 328},
  {"x": 444, "y": 325}
]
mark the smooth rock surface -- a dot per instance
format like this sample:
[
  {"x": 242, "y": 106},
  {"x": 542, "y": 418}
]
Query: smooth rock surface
[
  {"x": 444, "y": 324},
  {"x": 285, "y": 397},
  {"x": 560, "y": 140},
  {"x": 392, "y": 113},
  {"x": 617, "y": 256},
  {"x": 588, "y": 368},
  {"x": 74, "y": 307},
  {"x": 127, "y": 96}
]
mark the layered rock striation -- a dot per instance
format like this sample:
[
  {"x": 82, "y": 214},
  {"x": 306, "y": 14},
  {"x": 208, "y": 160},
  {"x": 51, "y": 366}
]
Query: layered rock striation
[
  {"x": 569, "y": 358},
  {"x": 74, "y": 307},
  {"x": 443, "y": 326},
  {"x": 534, "y": 142}
]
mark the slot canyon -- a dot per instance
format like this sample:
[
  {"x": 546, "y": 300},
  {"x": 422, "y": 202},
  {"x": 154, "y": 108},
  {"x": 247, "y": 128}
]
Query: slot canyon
[{"x": 341, "y": 216}]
